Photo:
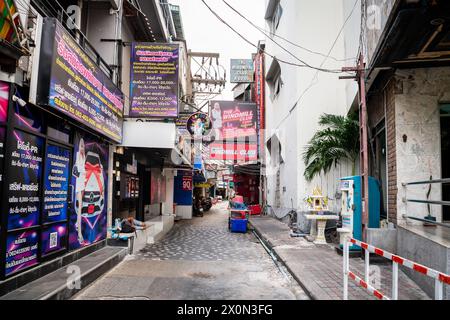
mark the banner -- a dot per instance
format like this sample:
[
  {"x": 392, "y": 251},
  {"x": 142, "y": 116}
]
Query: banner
[
  {"x": 232, "y": 119},
  {"x": 74, "y": 84},
  {"x": 237, "y": 151},
  {"x": 154, "y": 80},
  {"x": 89, "y": 181},
  {"x": 24, "y": 180},
  {"x": 21, "y": 251},
  {"x": 56, "y": 184}
]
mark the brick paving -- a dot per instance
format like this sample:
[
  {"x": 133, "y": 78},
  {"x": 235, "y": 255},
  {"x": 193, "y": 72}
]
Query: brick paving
[
  {"x": 319, "y": 268},
  {"x": 198, "y": 259}
]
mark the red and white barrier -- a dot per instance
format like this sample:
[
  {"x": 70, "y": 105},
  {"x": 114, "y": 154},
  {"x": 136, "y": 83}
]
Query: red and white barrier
[
  {"x": 368, "y": 287},
  {"x": 440, "y": 278}
]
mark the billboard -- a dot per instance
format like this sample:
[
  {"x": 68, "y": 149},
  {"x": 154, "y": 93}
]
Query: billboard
[
  {"x": 154, "y": 80},
  {"x": 90, "y": 181},
  {"x": 233, "y": 151},
  {"x": 233, "y": 119},
  {"x": 74, "y": 84},
  {"x": 241, "y": 71}
]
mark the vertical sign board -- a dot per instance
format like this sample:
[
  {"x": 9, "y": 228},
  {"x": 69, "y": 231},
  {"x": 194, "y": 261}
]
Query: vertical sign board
[
  {"x": 183, "y": 186},
  {"x": 24, "y": 180},
  {"x": 56, "y": 192},
  {"x": 259, "y": 98},
  {"x": 72, "y": 83},
  {"x": 4, "y": 101},
  {"x": 154, "y": 80},
  {"x": 89, "y": 179},
  {"x": 23, "y": 202},
  {"x": 56, "y": 184}
]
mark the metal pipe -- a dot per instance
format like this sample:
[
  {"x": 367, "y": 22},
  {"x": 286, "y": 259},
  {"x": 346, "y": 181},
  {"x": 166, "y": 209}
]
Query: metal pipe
[
  {"x": 367, "y": 266},
  {"x": 394, "y": 281},
  {"x": 346, "y": 268},
  {"x": 441, "y": 203},
  {"x": 438, "y": 290},
  {"x": 426, "y": 182},
  {"x": 446, "y": 225}
]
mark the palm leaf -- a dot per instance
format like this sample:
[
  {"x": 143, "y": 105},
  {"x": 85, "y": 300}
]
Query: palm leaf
[{"x": 338, "y": 140}]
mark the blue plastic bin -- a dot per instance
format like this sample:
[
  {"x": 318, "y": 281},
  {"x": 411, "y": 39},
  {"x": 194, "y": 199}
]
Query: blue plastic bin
[{"x": 239, "y": 225}]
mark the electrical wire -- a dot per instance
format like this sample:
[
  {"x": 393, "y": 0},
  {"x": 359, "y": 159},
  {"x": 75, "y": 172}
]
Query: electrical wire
[
  {"x": 313, "y": 81},
  {"x": 263, "y": 50},
  {"x": 266, "y": 33}
]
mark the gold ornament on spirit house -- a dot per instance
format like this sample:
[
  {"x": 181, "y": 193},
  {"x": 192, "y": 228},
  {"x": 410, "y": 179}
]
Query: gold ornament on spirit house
[{"x": 317, "y": 202}]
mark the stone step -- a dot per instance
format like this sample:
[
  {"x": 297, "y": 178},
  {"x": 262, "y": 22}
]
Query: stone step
[{"x": 54, "y": 286}]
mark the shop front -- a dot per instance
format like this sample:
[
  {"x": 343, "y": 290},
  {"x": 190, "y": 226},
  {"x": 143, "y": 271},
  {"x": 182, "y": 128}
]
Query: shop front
[{"x": 55, "y": 141}]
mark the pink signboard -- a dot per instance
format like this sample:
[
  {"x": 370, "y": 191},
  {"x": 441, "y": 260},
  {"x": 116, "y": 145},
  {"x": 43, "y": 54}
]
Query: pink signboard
[{"x": 4, "y": 99}]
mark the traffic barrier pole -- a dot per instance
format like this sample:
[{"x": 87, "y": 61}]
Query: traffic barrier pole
[
  {"x": 394, "y": 280},
  {"x": 346, "y": 268}
]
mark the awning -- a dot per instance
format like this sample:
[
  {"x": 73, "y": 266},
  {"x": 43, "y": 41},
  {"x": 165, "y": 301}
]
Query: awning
[
  {"x": 417, "y": 36},
  {"x": 149, "y": 135}
]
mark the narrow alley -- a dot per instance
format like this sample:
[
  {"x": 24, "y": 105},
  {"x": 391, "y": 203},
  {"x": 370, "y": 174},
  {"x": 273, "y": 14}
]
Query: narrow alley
[{"x": 198, "y": 260}]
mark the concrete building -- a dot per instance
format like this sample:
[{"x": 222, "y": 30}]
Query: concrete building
[
  {"x": 407, "y": 56},
  {"x": 65, "y": 85},
  {"x": 297, "y": 96}
]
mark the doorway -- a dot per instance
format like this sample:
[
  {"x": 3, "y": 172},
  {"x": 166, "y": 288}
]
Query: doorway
[
  {"x": 445, "y": 158},
  {"x": 379, "y": 166}
]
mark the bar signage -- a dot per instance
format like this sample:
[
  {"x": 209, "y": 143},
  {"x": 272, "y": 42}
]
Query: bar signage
[{"x": 72, "y": 83}]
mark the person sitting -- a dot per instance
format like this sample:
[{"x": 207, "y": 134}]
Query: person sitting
[{"x": 136, "y": 224}]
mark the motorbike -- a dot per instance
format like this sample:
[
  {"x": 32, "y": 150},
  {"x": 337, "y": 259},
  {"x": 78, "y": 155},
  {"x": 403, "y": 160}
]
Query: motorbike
[{"x": 206, "y": 204}]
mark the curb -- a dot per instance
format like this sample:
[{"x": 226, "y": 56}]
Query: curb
[
  {"x": 87, "y": 278},
  {"x": 281, "y": 261}
]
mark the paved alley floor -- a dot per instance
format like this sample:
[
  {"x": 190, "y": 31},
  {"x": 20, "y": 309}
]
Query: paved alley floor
[
  {"x": 319, "y": 267},
  {"x": 199, "y": 260}
]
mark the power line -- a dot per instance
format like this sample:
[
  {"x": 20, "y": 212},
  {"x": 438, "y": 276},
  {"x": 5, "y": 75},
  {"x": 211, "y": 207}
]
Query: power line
[
  {"x": 263, "y": 50},
  {"x": 265, "y": 32},
  {"x": 323, "y": 62}
]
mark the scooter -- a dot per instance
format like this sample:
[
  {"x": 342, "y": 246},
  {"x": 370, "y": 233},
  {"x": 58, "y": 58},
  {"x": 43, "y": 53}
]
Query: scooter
[{"x": 206, "y": 204}]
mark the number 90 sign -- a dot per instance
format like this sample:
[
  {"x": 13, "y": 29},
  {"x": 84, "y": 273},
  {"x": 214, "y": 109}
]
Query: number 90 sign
[{"x": 187, "y": 183}]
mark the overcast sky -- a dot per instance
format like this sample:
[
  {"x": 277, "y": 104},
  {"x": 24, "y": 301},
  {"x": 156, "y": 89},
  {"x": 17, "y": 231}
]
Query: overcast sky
[{"x": 204, "y": 32}]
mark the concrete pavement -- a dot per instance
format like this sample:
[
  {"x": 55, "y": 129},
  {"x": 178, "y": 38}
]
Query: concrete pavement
[
  {"x": 199, "y": 260},
  {"x": 318, "y": 268}
]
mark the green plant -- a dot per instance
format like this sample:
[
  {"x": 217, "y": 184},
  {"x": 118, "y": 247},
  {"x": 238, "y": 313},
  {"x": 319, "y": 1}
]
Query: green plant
[{"x": 338, "y": 140}]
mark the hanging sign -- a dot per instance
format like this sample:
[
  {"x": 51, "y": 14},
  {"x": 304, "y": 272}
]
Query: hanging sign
[{"x": 198, "y": 124}]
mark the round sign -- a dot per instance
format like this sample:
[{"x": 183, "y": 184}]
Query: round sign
[{"x": 198, "y": 124}]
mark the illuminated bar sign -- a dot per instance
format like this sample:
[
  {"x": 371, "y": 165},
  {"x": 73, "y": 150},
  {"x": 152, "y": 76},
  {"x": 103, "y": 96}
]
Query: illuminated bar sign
[
  {"x": 74, "y": 84},
  {"x": 154, "y": 80}
]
